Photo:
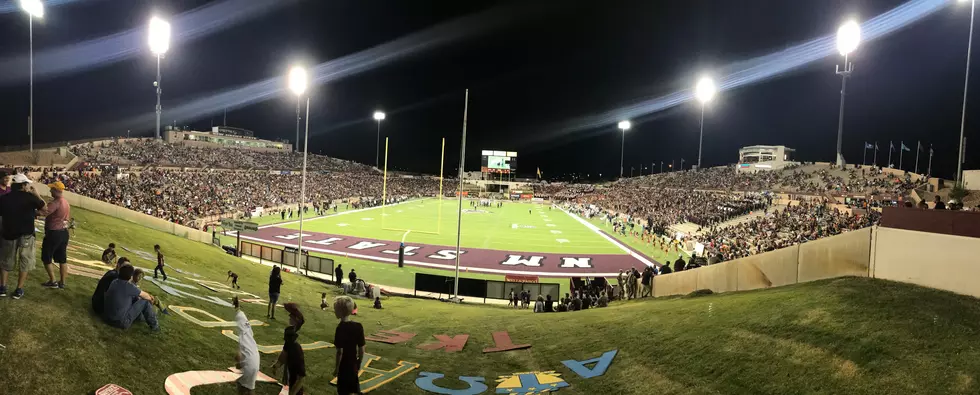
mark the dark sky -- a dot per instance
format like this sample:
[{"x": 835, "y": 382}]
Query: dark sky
[{"x": 531, "y": 66}]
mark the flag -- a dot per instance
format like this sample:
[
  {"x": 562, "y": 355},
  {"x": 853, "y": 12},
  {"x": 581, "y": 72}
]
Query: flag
[
  {"x": 891, "y": 146},
  {"x": 539, "y": 172},
  {"x": 868, "y": 146},
  {"x": 904, "y": 148}
]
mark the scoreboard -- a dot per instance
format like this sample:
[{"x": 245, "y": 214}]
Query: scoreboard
[{"x": 502, "y": 162}]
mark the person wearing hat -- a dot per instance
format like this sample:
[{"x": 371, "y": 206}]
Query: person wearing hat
[
  {"x": 54, "y": 247},
  {"x": 18, "y": 209}
]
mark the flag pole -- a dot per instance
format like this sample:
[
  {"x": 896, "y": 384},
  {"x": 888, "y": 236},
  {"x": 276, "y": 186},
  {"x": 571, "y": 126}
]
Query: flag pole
[
  {"x": 929, "y": 170},
  {"x": 918, "y": 147},
  {"x": 891, "y": 147},
  {"x": 864, "y": 160},
  {"x": 876, "y": 154},
  {"x": 459, "y": 212},
  {"x": 901, "y": 153}
]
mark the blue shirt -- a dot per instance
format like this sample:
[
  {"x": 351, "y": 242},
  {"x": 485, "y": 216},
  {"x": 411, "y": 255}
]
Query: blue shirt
[{"x": 119, "y": 298}]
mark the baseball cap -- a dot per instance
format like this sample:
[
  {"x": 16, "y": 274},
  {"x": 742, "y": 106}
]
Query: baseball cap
[
  {"x": 57, "y": 185},
  {"x": 20, "y": 179}
]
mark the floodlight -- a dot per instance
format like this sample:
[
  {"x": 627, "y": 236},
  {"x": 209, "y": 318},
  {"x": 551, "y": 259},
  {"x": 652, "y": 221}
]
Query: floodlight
[
  {"x": 705, "y": 90},
  {"x": 379, "y": 116},
  {"x": 848, "y": 37},
  {"x": 159, "y": 36},
  {"x": 625, "y": 125},
  {"x": 33, "y": 7},
  {"x": 297, "y": 80}
]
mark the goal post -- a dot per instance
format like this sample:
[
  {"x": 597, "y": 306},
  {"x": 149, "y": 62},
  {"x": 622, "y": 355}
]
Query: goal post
[{"x": 384, "y": 195}]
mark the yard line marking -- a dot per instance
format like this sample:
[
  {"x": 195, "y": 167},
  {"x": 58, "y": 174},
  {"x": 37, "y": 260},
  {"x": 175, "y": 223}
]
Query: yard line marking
[
  {"x": 551, "y": 225},
  {"x": 561, "y": 241},
  {"x": 556, "y": 232},
  {"x": 342, "y": 224}
]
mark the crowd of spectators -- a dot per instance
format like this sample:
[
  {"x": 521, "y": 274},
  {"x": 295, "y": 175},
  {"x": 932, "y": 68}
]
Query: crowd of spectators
[
  {"x": 185, "y": 196},
  {"x": 782, "y": 228},
  {"x": 150, "y": 152}
]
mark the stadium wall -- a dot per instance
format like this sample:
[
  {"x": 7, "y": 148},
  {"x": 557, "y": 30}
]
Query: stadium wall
[
  {"x": 935, "y": 260},
  {"x": 125, "y": 214},
  {"x": 847, "y": 254}
]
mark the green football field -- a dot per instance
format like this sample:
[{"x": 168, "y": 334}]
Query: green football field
[{"x": 526, "y": 227}]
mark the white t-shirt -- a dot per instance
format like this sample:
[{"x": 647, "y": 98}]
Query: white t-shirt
[{"x": 248, "y": 349}]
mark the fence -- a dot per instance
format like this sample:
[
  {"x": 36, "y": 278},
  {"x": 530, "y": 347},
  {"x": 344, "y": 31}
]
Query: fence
[
  {"x": 288, "y": 258},
  {"x": 477, "y": 288}
]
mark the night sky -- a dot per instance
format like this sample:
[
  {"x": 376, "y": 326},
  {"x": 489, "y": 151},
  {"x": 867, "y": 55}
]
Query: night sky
[{"x": 534, "y": 70}]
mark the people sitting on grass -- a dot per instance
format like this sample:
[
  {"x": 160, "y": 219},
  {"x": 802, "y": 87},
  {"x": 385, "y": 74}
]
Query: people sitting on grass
[
  {"x": 539, "y": 305},
  {"x": 125, "y": 303},
  {"x": 98, "y": 297},
  {"x": 377, "y": 303}
]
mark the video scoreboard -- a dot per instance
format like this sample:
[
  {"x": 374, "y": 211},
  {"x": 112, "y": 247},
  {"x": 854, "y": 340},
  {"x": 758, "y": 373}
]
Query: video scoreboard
[{"x": 504, "y": 162}]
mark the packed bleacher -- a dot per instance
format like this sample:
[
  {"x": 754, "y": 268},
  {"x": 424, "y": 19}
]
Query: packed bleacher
[
  {"x": 149, "y": 152},
  {"x": 187, "y": 185}
]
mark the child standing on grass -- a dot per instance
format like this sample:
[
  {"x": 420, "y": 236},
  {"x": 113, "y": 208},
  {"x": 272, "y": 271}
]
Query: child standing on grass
[
  {"x": 349, "y": 339},
  {"x": 160, "y": 263},
  {"x": 275, "y": 282},
  {"x": 234, "y": 279}
]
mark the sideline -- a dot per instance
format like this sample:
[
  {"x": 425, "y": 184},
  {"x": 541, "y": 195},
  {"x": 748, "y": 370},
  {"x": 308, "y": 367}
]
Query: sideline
[
  {"x": 615, "y": 242},
  {"x": 401, "y": 292}
]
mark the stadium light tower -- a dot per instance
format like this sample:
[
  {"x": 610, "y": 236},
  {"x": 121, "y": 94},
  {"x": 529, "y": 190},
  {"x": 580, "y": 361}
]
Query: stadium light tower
[
  {"x": 298, "y": 82},
  {"x": 159, "y": 40},
  {"x": 378, "y": 116},
  {"x": 624, "y": 126},
  {"x": 848, "y": 39},
  {"x": 969, "y": 46},
  {"x": 34, "y": 9},
  {"x": 704, "y": 91}
]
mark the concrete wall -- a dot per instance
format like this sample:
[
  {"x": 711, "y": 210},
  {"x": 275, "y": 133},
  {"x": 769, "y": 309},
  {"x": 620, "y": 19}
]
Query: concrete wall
[
  {"x": 847, "y": 254},
  {"x": 933, "y": 260},
  {"x": 125, "y": 214}
]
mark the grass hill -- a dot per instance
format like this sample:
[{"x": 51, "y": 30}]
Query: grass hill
[{"x": 842, "y": 336}]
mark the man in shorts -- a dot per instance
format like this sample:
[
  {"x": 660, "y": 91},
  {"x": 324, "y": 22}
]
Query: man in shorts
[
  {"x": 18, "y": 209},
  {"x": 248, "y": 352},
  {"x": 54, "y": 247}
]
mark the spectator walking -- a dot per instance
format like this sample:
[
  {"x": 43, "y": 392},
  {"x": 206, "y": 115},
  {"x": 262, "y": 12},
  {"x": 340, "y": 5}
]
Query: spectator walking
[
  {"x": 54, "y": 246},
  {"x": 275, "y": 282},
  {"x": 647, "y": 280},
  {"x": 338, "y": 275},
  {"x": 349, "y": 340},
  {"x": 234, "y": 279},
  {"x": 160, "y": 263},
  {"x": 352, "y": 277},
  {"x": 18, "y": 209}
]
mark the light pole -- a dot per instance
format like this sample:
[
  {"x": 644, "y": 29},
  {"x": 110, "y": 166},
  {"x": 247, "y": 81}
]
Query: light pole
[
  {"x": 966, "y": 83},
  {"x": 378, "y": 116},
  {"x": 704, "y": 91},
  {"x": 34, "y": 9},
  {"x": 624, "y": 126},
  {"x": 299, "y": 106},
  {"x": 159, "y": 44},
  {"x": 297, "y": 84},
  {"x": 848, "y": 38}
]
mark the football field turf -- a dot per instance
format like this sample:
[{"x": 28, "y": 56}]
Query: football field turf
[{"x": 526, "y": 227}]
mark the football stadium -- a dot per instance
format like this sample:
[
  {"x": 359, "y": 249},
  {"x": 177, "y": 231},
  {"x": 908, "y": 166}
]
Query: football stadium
[{"x": 300, "y": 265}]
